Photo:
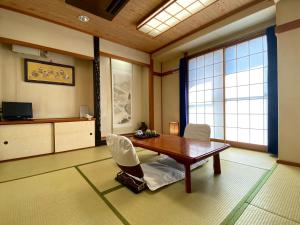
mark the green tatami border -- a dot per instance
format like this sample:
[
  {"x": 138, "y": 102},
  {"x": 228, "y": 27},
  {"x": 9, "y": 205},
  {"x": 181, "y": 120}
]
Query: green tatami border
[
  {"x": 101, "y": 195},
  {"x": 238, "y": 210}
]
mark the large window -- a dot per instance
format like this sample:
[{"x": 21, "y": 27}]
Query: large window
[{"x": 244, "y": 117}]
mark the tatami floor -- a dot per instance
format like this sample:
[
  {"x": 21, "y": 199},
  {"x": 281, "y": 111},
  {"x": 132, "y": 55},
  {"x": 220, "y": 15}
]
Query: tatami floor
[{"x": 79, "y": 188}]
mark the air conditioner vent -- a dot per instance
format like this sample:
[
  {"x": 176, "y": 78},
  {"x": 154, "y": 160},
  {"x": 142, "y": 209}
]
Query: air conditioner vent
[{"x": 115, "y": 6}]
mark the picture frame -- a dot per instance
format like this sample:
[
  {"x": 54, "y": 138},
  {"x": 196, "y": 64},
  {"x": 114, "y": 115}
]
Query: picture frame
[{"x": 37, "y": 71}]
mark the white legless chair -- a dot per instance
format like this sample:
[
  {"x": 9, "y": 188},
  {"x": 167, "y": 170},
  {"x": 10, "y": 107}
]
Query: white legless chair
[
  {"x": 200, "y": 132},
  {"x": 154, "y": 173}
]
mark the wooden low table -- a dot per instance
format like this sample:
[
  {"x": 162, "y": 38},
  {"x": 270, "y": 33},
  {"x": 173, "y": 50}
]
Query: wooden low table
[{"x": 185, "y": 151}]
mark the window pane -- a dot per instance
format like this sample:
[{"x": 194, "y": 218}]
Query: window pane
[
  {"x": 192, "y": 97},
  {"x": 230, "y": 80},
  {"x": 208, "y": 84},
  {"x": 218, "y": 95},
  {"x": 243, "y": 64},
  {"x": 218, "y": 56},
  {"x": 218, "y": 107},
  {"x": 231, "y": 92},
  {"x": 192, "y": 75},
  {"x": 230, "y": 67},
  {"x": 192, "y": 86},
  {"x": 257, "y": 121},
  {"x": 265, "y": 59},
  {"x": 243, "y": 121},
  {"x": 200, "y": 73},
  {"x": 218, "y": 118},
  {"x": 192, "y": 118},
  {"x": 218, "y": 82},
  {"x": 209, "y": 71},
  {"x": 231, "y": 120},
  {"x": 243, "y": 106},
  {"x": 231, "y": 106},
  {"x": 208, "y": 96},
  {"x": 243, "y": 91},
  {"x": 257, "y": 90},
  {"x": 192, "y": 64},
  {"x": 230, "y": 53},
  {"x": 200, "y": 108},
  {"x": 256, "y": 61},
  {"x": 243, "y": 78},
  {"x": 209, "y": 107},
  {"x": 243, "y": 135},
  {"x": 200, "y": 96},
  {"x": 209, "y": 59},
  {"x": 193, "y": 108},
  {"x": 218, "y": 69},
  {"x": 257, "y": 137},
  {"x": 209, "y": 119},
  {"x": 257, "y": 76},
  {"x": 257, "y": 106},
  {"x": 200, "y": 61},
  {"x": 242, "y": 49},
  {"x": 219, "y": 132},
  {"x": 212, "y": 132},
  {"x": 256, "y": 45},
  {"x": 231, "y": 134},
  {"x": 200, "y": 85},
  {"x": 200, "y": 118}
]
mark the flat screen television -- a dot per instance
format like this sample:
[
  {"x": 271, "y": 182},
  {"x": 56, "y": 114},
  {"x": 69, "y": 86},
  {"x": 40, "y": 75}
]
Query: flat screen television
[{"x": 16, "y": 110}]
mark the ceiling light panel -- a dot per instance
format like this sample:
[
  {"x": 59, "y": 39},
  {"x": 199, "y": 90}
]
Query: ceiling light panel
[{"x": 170, "y": 14}]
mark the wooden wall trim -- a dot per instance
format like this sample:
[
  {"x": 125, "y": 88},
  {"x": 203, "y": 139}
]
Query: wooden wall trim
[
  {"x": 288, "y": 26},
  {"x": 44, "y": 120},
  {"x": 44, "y": 48},
  {"x": 151, "y": 95},
  {"x": 253, "y": 147},
  {"x": 169, "y": 72},
  {"x": 242, "y": 8},
  {"x": 105, "y": 54},
  {"x": 288, "y": 163}
]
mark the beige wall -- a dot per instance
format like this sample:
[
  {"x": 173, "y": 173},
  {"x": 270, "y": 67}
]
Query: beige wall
[
  {"x": 170, "y": 94},
  {"x": 289, "y": 82},
  {"x": 28, "y": 29},
  {"x": 49, "y": 101},
  {"x": 123, "y": 51}
]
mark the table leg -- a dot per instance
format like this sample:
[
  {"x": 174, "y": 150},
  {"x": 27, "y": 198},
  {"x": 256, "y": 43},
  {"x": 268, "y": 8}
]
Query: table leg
[
  {"x": 217, "y": 164},
  {"x": 188, "y": 178}
]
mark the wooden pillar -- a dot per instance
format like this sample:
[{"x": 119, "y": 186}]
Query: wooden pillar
[
  {"x": 151, "y": 96},
  {"x": 96, "y": 82}
]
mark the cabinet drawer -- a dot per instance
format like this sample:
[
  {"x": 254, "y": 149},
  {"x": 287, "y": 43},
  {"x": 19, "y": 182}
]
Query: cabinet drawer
[
  {"x": 24, "y": 140},
  {"x": 74, "y": 135}
]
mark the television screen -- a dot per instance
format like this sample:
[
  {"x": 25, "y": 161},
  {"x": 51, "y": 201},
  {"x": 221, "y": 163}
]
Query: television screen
[{"x": 16, "y": 110}]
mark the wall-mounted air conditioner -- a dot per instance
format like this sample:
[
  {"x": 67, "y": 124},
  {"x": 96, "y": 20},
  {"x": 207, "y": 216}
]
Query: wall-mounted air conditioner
[{"x": 26, "y": 50}]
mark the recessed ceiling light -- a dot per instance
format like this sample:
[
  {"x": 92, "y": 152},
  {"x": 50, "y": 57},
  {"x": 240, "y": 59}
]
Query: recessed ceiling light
[
  {"x": 83, "y": 18},
  {"x": 170, "y": 14}
]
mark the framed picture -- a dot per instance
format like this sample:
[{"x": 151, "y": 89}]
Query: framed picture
[{"x": 48, "y": 72}]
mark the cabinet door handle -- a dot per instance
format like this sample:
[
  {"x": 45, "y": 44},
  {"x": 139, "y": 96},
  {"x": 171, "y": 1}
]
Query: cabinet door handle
[
  {"x": 5, "y": 142},
  {"x": 91, "y": 133}
]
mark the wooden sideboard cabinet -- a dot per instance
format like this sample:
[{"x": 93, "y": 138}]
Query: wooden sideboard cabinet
[
  {"x": 74, "y": 135},
  {"x": 19, "y": 139}
]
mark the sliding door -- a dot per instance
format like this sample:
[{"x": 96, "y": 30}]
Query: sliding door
[
  {"x": 206, "y": 92},
  {"x": 240, "y": 115}
]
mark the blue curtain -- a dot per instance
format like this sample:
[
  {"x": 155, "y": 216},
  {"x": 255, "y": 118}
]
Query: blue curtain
[
  {"x": 183, "y": 90},
  {"x": 272, "y": 91}
]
